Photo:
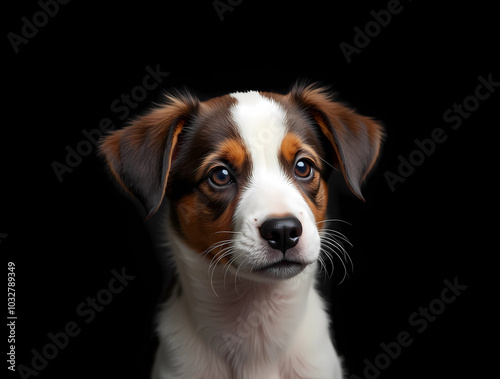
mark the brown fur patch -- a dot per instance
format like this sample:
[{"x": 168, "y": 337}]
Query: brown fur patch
[
  {"x": 290, "y": 145},
  {"x": 231, "y": 151},
  {"x": 235, "y": 152},
  {"x": 319, "y": 206},
  {"x": 201, "y": 232}
]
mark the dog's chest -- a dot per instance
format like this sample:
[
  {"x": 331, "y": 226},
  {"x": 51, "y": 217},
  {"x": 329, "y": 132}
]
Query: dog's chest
[{"x": 251, "y": 337}]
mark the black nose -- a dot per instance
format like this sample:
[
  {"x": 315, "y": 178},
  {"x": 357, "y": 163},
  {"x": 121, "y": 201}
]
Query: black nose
[{"x": 281, "y": 233}]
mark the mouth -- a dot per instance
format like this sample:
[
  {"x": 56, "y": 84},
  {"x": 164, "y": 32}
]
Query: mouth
[{"x": 283, "y": 269}]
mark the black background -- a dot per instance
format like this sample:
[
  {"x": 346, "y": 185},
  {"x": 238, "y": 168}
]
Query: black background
[{"x": 66, "y": 237}]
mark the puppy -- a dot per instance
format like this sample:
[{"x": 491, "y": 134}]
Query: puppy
[{"x": 245, "y": 175}]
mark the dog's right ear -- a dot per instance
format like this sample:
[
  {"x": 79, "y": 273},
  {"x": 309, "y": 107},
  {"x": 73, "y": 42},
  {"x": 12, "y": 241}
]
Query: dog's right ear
[{"x": 140, "y": 154}]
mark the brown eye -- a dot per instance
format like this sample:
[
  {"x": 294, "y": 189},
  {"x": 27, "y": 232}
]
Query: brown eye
[
  {"x": 303, "y": 169},
  {"x": 220, "y": 177}
]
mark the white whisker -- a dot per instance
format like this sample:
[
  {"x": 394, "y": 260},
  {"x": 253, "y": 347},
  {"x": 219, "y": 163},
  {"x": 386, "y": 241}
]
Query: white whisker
[
  {"x": 336, "y": 243},
  {"x": 218, "y": 256},
  {"x": 332, "y": 243},
  {"x": 333, "y": 220},
  {"x": 226, "y": 269},
  {"x": 337, "y": 233},
  {"x": 329, "y": 256},
  {"x": 328, "y": 164},
  {"x": 236, "y": 275},
  {"x": 215, "y": 246},
  {"x": 335, "y": 246},
  {"x": 323, "y": 267},
  {"x": 333, "y": 249}
]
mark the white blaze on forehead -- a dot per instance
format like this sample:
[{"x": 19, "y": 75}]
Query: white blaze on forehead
[{"x": 261, "y": 123}]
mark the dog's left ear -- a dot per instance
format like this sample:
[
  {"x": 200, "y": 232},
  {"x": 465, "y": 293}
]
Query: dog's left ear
[
  {"x": 356, "y": 139},
  {"x": 140, "y": 154}
]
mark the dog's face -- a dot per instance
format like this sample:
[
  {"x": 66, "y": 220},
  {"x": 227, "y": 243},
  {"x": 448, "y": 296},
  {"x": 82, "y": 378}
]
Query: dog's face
[{"x": 246, "y": 173}]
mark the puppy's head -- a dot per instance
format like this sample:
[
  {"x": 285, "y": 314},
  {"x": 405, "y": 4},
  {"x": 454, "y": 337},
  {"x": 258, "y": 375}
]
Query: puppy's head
[{"x": 245, "y": 173}]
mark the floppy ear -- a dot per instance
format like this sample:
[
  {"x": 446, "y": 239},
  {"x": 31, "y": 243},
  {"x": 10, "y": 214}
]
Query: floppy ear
[
  {"x": 356, "y": 139},
  {"x": 140, "y": 154}
]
